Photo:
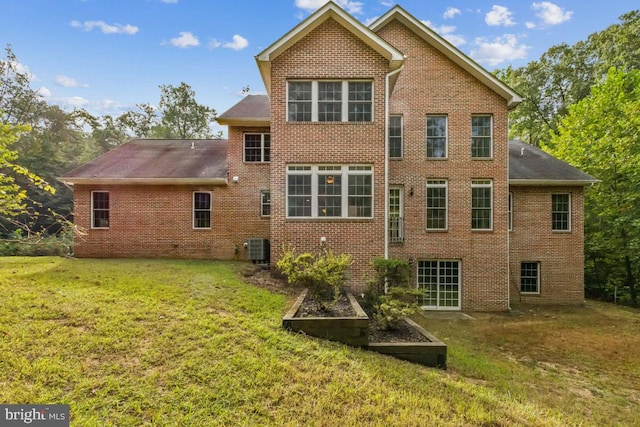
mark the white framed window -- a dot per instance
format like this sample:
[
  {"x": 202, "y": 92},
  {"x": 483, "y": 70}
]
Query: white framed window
[
  {"x": 561, "y": 212},
  {"x": 265, "y": 203},
  {"x": 510, "y": 211},
  {"x": 395, "y": 136},
  {"x": 436, "y": 211},
  {"x": 482, "y": 136},
  {"x": 201, "y": 209},
  {"x": 100, "y": 209},
  {"x": 436, "y": 137},
  {"x": 396, "y": 214},
  {"x": 481, "y": 204},
  {"x": 530, "y": 277},
  {"x": 440, "y": 281},
  {"x": 257, "y": 147},
  {"x": 330, "y": 101},
  {"x": 330, "y": 191}
]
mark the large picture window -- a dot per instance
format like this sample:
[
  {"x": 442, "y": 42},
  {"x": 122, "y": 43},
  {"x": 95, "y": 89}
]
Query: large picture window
[
  {"x": 330, "y": 191},
  {"x": 481, "y": 137},
  {"x": 201, "y": 209},
  {"x": 257, "y": 147},
  {"x": 100, "y": 209},
  {"x": 481, "y": 204},
  {"x": 436, "y": 136},
  {"x": 329, "y": 101},
  {"x": 436, "y": 204}
]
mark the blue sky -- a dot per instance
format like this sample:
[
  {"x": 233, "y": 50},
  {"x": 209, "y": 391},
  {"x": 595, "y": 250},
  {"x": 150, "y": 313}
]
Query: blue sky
[{"x": 108, "y": 55}]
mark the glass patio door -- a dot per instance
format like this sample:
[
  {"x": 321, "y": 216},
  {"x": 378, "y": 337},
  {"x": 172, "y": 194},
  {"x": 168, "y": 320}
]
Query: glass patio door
[{"x": 440, "y": 281}]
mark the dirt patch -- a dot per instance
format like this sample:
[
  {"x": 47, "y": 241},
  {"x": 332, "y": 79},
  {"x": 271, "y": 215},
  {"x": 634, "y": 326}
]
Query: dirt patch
[
  {"x": 403, "y": 333},
  {"x": 266, "y": 279},
  {"x": 342, "y": 308}
]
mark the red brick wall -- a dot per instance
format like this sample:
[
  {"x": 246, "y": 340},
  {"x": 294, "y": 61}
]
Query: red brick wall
[
  {"x": 560, "y": 253},
  {"x": 328, "y": 52},
  {"x": 432, "y": 84}
]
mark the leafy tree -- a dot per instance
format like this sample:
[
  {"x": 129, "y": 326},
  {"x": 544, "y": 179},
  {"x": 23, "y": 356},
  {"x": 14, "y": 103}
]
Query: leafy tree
[
  {"x": 601, "y": 135},
  {"x": 181, "y": 116}
]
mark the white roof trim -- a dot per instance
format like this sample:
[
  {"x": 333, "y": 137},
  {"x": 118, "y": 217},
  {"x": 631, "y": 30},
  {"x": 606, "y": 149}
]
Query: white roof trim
[
  {"x": 552, "y": 182},
  {"x": 329, "y": 10},
  {"x": 143, "y": 181},
  {"x": 450, "y": 51}
]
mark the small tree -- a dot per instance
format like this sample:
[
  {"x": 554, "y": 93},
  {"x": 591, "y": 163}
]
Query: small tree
[
  {"x": 323, "y": 274},
  {"x": 389, "y": 296}
]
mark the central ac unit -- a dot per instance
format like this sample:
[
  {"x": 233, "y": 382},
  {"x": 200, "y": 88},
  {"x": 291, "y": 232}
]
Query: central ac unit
[{"x": 258, "y": 250}]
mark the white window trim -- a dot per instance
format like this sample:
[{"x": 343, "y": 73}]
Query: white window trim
[
  {"x": 446, "y": 136},
  {"x": 490, "y": 140},
  {"x": 442, "y": 183},
  {"x": 262, "y": 148},
  {"x": 93, "y": 210},
  {"x": 537, "y": 278},
  {"x": 510, "y": 211},
  {"x": 569, "y": 225},
  {"x": 477, "y": 184},
  {"x": 344, "y": 100},
  {"x": 439, "y": 260},
  {"x": 262, "y": 204},
  {"x": 345, "y": 172},
  {"x": 193, "y": 210}
]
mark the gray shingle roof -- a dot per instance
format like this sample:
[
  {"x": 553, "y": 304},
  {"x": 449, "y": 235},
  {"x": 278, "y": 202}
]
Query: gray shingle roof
[
  {"x": 529, "y": 165},
  {"x": 157, "y": 161},
  {"x": 252, "y": 108}
]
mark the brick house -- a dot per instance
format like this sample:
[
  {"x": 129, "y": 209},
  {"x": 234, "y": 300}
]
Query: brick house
[{"x": 375, "y": 141}]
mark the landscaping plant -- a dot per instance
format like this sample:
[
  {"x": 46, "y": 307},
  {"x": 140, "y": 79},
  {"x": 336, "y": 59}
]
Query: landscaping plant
[{"x": 323, "y": 274}]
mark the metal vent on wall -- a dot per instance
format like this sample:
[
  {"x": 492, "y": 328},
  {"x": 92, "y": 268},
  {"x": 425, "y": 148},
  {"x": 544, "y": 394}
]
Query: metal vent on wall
[{"x": 258, "y": 250}]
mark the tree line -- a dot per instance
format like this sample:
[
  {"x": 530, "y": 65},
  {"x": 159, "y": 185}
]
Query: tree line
[{"x": 581, "y": 103}]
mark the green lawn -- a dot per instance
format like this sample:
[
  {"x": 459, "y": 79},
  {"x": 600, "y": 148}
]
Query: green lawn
[{"x": 188, "y": 343}]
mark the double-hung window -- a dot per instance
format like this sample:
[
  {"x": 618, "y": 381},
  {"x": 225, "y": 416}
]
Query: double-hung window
[
  {"x": 436, "y": 137},
  {"x": 395, "y": 137},
  {"x": 329, "y": 101},
  {"x": 100, "y": 209},
  {"x": 436, "y": 204},
  {"x": 481, "y": 204},
  {"x": 329, "y": 191},
  {"x": 510, "y": 211},
  {"x": 265, "y": 203},
  {"x": 530, "y": 277},
  {"x": 257, "y": 147},
  {"x": 560, "y": 212},
  {"x": 201, "y": 209},
  {"x": 481, "y": 137}
]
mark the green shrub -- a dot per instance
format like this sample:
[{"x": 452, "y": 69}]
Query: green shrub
[
  {"x": 58, "y": 245},
  {"x": 389, "y": 297},
  {"x": 323, "y": 274}
]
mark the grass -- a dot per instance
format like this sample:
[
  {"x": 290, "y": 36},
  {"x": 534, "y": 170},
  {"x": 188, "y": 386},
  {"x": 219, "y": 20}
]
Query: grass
[{"x": 188, "y": 343}]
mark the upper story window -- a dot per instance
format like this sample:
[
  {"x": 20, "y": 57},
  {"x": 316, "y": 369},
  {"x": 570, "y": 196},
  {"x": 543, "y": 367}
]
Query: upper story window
[
  {"x": 330, "y": 191},
  {"x": 257, "y": 147},
  {"x": 510, "y": 211},
  {"x": 436, "y": 204},
  {"x": 436, "y": 136},
  {"x": 481, "y": 204},
  {"x": 481, "y": 137},
  {"x": 99, "y": 209},
  {"x": 265, "y": 203},
  {"x": 201, "y": 209},
  {"x": 395, "y": 137},
  {"x": 560, "y": 212},
  {"x": 329, "y": 101}
]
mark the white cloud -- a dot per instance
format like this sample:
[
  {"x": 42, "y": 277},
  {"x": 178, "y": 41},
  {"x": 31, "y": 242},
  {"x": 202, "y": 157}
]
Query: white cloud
[
  {"x": 501, "y": 49},
  {"x": 185, "y": 40},
  {"x": 551, "y": 14},
  {"x": 530, "y": 25},
  {"x": 44, "y": 92},
  {"x": 451, "y": 12},
  {"x": 169, "y": 1},
  {"x": 238, "y": 43},
  {"x": 499, "y": 15},
  {"x": 99, "y": 107},
  {"x": 447, "y": 32},
  {"x": 20, "y": 69},
  {"x": 351, "y": 6},
  {"x": 105, "y": 28},
  {"x": 455, "y": 39},
  {"x": 67, "y": 81},
  {"x": 213, "y": 44}
]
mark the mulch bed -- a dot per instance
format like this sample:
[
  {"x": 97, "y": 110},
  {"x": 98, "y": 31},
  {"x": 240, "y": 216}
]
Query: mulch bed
[
  {"x": 404, "y": 333},
  {"x": 342, "y": 308}
]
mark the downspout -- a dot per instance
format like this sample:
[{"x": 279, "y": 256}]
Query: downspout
[{"x": 387, "y": 95}]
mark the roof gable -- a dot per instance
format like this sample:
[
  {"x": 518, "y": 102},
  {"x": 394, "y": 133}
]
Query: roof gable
[
  {"x": 450, "y": 51},
  {"x": 329, "y": 11}
]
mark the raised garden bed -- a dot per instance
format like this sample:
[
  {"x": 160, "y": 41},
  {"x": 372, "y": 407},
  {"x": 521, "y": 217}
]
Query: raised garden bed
[
  {"x": 428, "y": 351},
  {"x": 351, "y": 329}
]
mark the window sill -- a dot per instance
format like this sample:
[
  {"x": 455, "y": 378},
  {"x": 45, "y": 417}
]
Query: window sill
[
  {"x": 481, "y": 158},
  {"x": 437, "y": 159},
  {"x": 561, "y": 231}
]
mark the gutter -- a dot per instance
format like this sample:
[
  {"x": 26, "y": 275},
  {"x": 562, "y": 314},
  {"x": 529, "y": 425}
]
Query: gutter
[
  {"x": 69, "y": 181},
  {"x": 386, "y": 159}
]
